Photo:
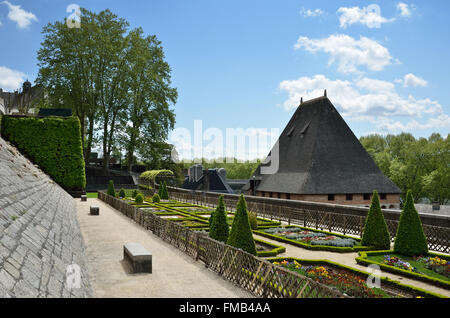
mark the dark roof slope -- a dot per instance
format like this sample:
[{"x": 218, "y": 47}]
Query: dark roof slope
[
  {"x": 215, "y": 183},
  {"x": 319, "y": 154}
]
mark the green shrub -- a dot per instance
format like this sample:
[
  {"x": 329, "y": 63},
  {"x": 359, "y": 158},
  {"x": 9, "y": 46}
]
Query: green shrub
[
  {"x": 375, "y": 232},
  {"x": 241, "y": 234},
  {"x": 122, "y": 193},
  {"x": 139, "y": 198},
  {"x": 252, "y": 219},
  {"x": 54, "y": 144},
  {"x": 164, "y": 192},
  {"x": 218, "y": 229},
  {"x": 160, "y": 189},
  {"x": 134, "y": 193},
  {"x": 111, "y": 190},
  {"x": 155, "y": 198},
  {"x": 410, "y": 239}
]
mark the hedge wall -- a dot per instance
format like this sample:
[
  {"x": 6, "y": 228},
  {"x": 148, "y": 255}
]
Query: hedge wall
[{"x": 52, "y": 143}]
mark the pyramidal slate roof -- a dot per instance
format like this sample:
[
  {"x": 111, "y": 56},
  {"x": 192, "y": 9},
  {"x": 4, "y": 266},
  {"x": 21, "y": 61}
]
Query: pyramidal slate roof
[{"x": 319, "y": 154}]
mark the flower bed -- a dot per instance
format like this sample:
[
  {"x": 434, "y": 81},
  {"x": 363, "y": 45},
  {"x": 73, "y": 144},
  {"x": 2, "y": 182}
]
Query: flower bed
[
  {"x": 313, "y": 239},
  {"x": 433, "y": 268},
  {"x": 347, "y": 280}
]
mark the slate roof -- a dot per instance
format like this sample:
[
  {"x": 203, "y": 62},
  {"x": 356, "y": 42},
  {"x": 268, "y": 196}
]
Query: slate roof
[
  {"x": 319, "y": 154},
  {"x": 216, "y": 183}
]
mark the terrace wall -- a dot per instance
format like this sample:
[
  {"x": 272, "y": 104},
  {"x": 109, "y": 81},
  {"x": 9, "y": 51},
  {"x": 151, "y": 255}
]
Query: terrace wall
[{"x": 39, "y": 233}]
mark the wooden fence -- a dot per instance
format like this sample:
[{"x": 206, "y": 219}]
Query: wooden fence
[
  {"x": 318, "y": 216},
  {"x": 259, "y": 277}
]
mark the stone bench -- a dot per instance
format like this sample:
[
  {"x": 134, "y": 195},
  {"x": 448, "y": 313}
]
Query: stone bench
[
  {"x": 84, "y": 198},
  {"x": 94, "y": 210},
  {"x": 139, "y": 259}
]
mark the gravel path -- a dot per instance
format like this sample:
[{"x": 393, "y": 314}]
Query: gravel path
[{"x": 175, "y": 274}]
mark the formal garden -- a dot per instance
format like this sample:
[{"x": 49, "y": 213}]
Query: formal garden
[{"x": 409, "y": 256}]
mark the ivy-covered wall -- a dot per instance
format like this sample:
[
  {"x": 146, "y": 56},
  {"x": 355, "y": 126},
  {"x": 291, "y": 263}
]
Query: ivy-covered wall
[{"x": 52, "y": 143}]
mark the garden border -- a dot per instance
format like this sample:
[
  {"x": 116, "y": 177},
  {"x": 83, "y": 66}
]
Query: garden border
[
  {"x": 362, "y": 260},
  {"x": 383, "y": 279},
  {"x": 317, "y": 247}
]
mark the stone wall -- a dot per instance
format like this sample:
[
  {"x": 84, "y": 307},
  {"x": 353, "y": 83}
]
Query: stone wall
[{"x": 39, "y": 233}]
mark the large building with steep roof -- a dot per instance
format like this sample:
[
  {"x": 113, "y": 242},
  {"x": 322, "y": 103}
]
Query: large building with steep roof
[{"x": 320, "y": 159}]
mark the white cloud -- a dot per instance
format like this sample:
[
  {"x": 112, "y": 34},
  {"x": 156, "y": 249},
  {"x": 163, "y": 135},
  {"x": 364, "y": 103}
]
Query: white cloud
[
  {"x": 10, "y": 79},
  {"x": 369, "y": 16},
  {"x": 20, "y": 16},
  {"x": 311, "y": 13},
  {"x": 405, "y": 9},
  {"x": 366, "y": 99},
  {"x": 441, "y": 121},
  {"x": 349, "y": 52},
  {"x": 412, "y": 80}
]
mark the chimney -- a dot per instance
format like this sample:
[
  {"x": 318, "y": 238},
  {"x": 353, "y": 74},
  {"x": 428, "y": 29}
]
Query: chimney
[
  {"x": 301, "y": 100},
  {"x": 325, "y": 93}
]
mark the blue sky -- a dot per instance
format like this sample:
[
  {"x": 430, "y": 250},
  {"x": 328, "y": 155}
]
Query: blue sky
[{"x": 245, "y": 64}]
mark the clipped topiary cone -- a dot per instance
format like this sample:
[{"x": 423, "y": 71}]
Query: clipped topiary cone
[
  {"x": 375, "y": 231},
  {"x": 219, "y": 229},
  {"x": 410, "y": 239},
  {"x": 241, "y": 235}
]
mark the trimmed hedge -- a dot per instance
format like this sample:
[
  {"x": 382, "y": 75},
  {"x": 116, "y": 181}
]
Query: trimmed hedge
[
  {"x": 218, "y": 225},
  {"x": 410, "y": 239},
  {"x": 52, "y": 143},
  {"x": 375, "y": 231},
  {"x": 241, "y": 234},
  {"x": 139, "y": 198},
  {"x": 362, "y": 260},
  {"x": 277, "y": 249},
  {"x": 386, "y": 280},
  {"x": 156, "y": 198},
  {"x": 111, "y": 190}
]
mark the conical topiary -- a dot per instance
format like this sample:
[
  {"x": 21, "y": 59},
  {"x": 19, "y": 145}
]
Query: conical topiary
[
  {"x": 375, "y": 231},
  {"x": 122, "y": 193},
  {"x": 241, "y": 235},
  {"x": 410, "y": 239},
  {"x": 164, "y": 192},
  {"x": 219, "y": 229},
  {"x": 160, "y": 189},
  {"x": 111, "y": 191}
]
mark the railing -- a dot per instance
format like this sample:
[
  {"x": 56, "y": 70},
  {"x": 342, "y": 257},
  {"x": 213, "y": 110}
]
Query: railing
[
  {"x": 333, "y": 218},
  {"x": 259, "y": 277}
]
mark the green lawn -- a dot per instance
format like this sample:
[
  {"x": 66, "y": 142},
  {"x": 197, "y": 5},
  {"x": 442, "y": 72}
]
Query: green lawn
[
  {"x": 92, "y": 195},
  {"x": 419, "y": 265}
]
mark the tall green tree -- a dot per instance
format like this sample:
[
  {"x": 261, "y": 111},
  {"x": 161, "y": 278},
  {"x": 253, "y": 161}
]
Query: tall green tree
[
  {"x": 116, "y": 81},
  {"x": 149, "y": 116},
  {"x": 68, "y": 71}
]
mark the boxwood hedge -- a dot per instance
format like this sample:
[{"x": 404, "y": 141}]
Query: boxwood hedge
[{"x": 52, "y": 143}]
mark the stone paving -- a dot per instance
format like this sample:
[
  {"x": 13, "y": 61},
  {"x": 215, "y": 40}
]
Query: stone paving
[
  {"x": 39, "y": 232},
  {"x": 174, "y": 275}
]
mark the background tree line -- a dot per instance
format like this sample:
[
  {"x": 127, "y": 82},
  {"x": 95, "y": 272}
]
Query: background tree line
[
  {"x": 114, "y": 79},
  {"x": 421, "y": 165}
]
